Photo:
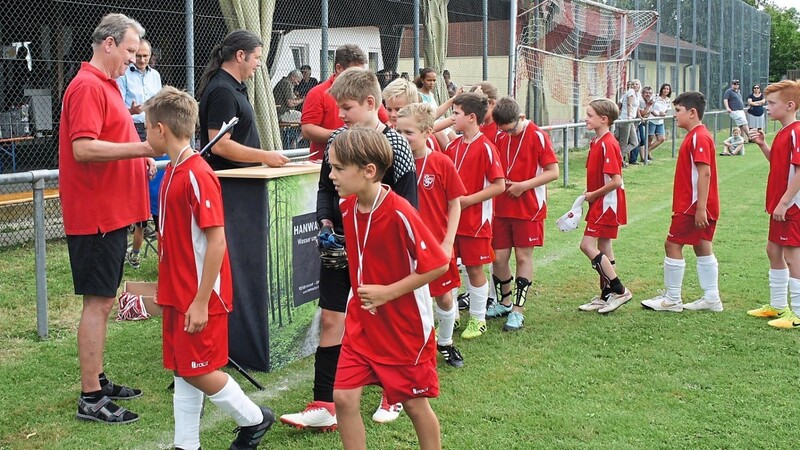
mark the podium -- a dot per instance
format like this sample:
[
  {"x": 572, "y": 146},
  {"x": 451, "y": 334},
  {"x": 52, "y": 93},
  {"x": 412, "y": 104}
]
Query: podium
[{"x": 270, "y": 228}]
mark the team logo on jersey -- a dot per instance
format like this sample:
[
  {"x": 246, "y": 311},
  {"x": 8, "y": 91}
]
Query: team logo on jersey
[{"x": 427, "y": 181}]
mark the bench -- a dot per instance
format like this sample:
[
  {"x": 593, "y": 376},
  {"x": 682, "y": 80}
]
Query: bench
[{"x": 25, "y": 197}]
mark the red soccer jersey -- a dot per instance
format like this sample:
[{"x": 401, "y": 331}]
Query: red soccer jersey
[
  {"x": 437, "y": 183},
  {"x": 320, "y": 108},
  {"x": 697, "y": 148},
  {"x": 190, "y": 201},
  {"x": 523, "y": 157},
  {"x": 97, "y": 197},
  {"x": 389, "y": 247},
  {"x": 478, "y": 165},
  {"x": 490, "y": 131},
  {"x": 784, "y": 158},
  {"x": 603, "y": 162}
]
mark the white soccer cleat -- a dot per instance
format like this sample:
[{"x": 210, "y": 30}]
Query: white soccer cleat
[
  {"x": 317, "y": 415},
  {"x": 704, "y": 304},
  {"x": 615, "y": 301},
  {"x": 663, "y": 303},
  {"x": 386, "y": 412},
  {"x": 594, "y": 304}
]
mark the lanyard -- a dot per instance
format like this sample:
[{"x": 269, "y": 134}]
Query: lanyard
[
  {"x": 359, "y": 275},
  {"x": 422, "y": 169},
  {"x": 459, "y": 164},
  {"x": 509, "y": 161},
  {"x": 163, "y": 200}
]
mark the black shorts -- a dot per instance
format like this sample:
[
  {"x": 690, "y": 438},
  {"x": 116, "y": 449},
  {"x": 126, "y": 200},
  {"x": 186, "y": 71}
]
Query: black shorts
[
  {"x": 334, "y": 287},
  {"x": 96, "y": 261}
]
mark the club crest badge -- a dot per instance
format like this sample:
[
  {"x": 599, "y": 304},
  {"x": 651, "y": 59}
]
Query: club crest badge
[{"x": 427, "y": 181}]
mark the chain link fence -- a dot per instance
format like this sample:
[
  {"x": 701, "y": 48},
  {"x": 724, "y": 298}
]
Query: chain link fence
[{"x": 694, "y": 45}]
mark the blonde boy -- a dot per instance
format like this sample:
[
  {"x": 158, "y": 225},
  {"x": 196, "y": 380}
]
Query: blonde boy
[
  {"x": 439, "y": 189},
  {"x": 783, "y": 205},
  {"x": 529, "y": 163},
  {"x": 695, "y": 211},
  {"x": 358, "y": 96},
  {"x": 605, "y": 193},
  {"x": 194, "y": 282},
  {"x": 478, "y": 165},
  {"x": 388, "y": 334}
]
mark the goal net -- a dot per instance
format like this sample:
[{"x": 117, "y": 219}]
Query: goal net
[{"x": 570, "y": 52}]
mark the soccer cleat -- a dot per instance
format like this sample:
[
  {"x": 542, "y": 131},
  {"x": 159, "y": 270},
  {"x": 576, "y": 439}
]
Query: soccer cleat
[
  {"x": 317, "y": 415},
  {"x": 386, "y": 412},
  {"x": 704, "y": 304},
  {"x": 451, "y": 355},
  {"x": 463, "y": 301},
  {"x": 249, "y": 437},
  {"x": 498, "y": 309},
  {"x": 594, "y": 304},
  {"x": 663, "y": 303},
  {"x": 787, "y": 320},
  {"x": 133, "y": 259},
  {"x": 768, "y": 311},
  {"x": 474, "y": 328},
  {"x": 514, "y": 322},
  {"x": 615, "y": 301}
]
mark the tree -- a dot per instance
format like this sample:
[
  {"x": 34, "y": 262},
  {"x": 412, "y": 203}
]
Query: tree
[{"x": 784, "y": 46}]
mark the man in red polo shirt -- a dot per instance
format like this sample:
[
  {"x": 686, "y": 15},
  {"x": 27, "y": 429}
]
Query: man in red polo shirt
[
  {"x": 320, "y": 112},
  {"x": 103, "y": 178}
]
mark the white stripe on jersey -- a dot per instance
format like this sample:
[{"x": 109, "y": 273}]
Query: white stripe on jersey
[
  {"x": 792, "y": 170},
  {"x": 695, "y": 174},
  {"x": 422, "y": 295},
  {"x": 487, "y": 213},
  {"x": 610, "y": 200},
  {"x": 200, "y": 243},
  {"x": 540, "y": 191}
]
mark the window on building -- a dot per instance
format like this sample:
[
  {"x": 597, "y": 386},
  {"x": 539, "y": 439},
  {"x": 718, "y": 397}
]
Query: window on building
[{"x": 299, "y": 55}]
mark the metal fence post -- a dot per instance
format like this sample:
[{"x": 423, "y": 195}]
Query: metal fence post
[
  {"x": 40, "y": 256},
  {"x": 485, "y": 55},
  {"x": 416, "y": 38},
  {"x": 674, "y": 137},
  {"x": 512, "y": 46},
  {"x": 323, "y": 51},
  {"x": 716, "y": 126},
  {"x": 189, "y": 7},
  {"x": 566, "y": 158}
]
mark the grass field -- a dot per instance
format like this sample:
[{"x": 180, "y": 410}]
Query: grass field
[{"x": 633, "y": 379}]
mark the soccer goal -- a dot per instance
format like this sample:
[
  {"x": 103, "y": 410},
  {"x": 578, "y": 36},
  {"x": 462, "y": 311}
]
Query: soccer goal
[{"x": 570, "y": 52}]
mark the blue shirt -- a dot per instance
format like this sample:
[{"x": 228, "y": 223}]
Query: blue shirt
[{"x": 138, "y": 86}]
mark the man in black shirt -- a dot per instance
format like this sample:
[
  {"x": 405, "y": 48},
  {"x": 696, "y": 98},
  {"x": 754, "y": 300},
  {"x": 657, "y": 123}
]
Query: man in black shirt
[{"x": 223, "y": 95}]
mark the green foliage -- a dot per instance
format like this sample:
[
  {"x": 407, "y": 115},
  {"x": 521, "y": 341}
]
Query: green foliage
[
  {"x": 631, "y": 380},
  {"x": 784, "y": 41}
]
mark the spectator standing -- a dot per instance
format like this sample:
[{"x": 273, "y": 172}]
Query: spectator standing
[
  {"x": 646, "y": 102},
  {"x": 732, "y": 99},
  {"x": 755, "y": 114},
  {"x": 626, "y": 132},
  {"x": 451, "y": 86},
  {"x": 138, "y": 84},
  {"x": 655, "y": 127}
]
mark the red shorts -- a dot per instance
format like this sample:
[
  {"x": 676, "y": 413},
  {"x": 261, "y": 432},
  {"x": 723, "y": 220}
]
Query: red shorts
[
  {"x": 517, "y": 233},
  {"x": 682, "y": 230},
  {"x": 400, "y": 383},
  {"x": 601, "y": 231},
  {"x": 451, "y": 279},
  {"x": 785, "y": 233},
  {"x": 474, "y": 251},
  {"x": 193, "y": 354}
]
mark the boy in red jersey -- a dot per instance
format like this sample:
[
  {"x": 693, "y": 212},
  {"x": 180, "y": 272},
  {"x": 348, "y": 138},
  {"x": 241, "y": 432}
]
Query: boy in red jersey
[
  {"x": 439, "y": 191},
  {"x": 194, "y": 283},
  {"x": 527, "y": 157},
  {"x": 605, "y": 193},
  {"x": 478, "y": 165},
  {"x": 695, "y": 211},
  {"x": 783, "y": 205},
  {"x": 388, "y": 335}
]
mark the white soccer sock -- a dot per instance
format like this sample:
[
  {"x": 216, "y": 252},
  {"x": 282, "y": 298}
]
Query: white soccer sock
[
  {"x": 708, "y": 275},
  {"x": 778, "y": 287},
  {"x": 447, "y": 320},
  {"x": 233, "y": 401},
  {"x": 673, "y": 277},
  {"x": 794, "y": 294},
  {"x": 187, "y": 403},
  {"x": 477, "y": 301}
]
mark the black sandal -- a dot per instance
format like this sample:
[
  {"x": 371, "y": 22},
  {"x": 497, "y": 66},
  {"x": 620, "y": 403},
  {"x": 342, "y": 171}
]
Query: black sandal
[
  {"x": 119, "y": 392},
  {"x": 105, "y": 411}
]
